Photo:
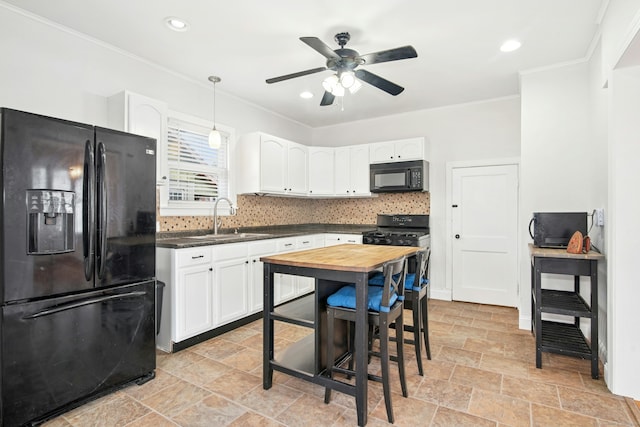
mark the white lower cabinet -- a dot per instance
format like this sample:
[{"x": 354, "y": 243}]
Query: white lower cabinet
[
  {"x": 211, "y": 286},
  {"x": 285, "y": 287},
  {"x": 305, "y": 285},
  {"x": 256, "y": 271},
  {"x": 230, "y": 282}
]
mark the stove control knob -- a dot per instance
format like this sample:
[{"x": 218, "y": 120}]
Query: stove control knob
[{"x": 387, "y": 241}]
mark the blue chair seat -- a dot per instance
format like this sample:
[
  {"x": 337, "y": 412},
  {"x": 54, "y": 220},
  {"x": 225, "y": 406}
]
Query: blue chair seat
[
  {"x": 346, "y": 297},
  {"x": 378, "y": 280}
]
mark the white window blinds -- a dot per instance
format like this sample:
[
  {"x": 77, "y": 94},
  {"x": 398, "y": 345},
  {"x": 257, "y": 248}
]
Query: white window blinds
[{"x": 198, "y": 174}]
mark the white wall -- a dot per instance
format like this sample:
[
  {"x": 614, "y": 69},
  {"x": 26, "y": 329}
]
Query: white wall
[
  {"x": 49, "y": 70},
  {"x": 479, "y": 131}
]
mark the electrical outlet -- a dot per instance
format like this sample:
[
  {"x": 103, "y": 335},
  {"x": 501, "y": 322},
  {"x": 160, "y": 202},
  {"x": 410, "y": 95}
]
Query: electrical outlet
[{"x": 599, "y": 217}]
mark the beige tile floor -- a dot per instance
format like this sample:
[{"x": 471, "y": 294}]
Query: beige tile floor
[{"x": 482, "y": 374}]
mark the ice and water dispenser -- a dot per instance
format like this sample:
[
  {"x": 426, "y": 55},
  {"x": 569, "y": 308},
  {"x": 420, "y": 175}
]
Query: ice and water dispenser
[{"x": 50, "y": 216}]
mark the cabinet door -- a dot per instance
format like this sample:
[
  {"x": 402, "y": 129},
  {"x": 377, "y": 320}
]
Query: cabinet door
[
  {"x": 342, "y": 183},
  {"x": 194, "y": 310},
  {"x": 285, "y": 284},
  {"x": 148, "y": 117},
  {"x": 409, "y": 149},
  {"x": 258, "y": 249},
  {"x": 359, "y": 167},
  {"x": 297, "y": 169},
  {"x": 273, "y": 165},
  {"x": 382, "y": 152},
  {"x": 321, "y": 171},
  {"x": 231, "y": 284},
  {"x": 305, "y": 285}
]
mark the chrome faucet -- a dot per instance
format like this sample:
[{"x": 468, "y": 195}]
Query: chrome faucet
[{"x": 216, "y": 222}]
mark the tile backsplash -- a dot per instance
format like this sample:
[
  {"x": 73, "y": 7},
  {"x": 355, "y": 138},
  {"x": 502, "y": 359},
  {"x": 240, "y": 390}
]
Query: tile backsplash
[{"x": 255, "y": 211}]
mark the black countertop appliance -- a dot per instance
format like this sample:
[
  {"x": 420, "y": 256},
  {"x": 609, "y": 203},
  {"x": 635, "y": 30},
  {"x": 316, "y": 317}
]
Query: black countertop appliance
[{"x": 77, "y": 284}]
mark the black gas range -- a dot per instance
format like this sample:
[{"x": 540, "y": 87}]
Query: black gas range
[{"x": 399, "y": 230}]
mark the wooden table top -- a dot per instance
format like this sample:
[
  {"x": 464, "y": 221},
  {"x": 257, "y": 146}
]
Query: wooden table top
[
  {"x": 562, "y": 253},
  {"x": 359, "y": 258}
]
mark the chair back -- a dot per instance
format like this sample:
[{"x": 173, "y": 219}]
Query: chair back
[
  {"x": 423, "y": 258},
  {"x": 394, "y": 273}
]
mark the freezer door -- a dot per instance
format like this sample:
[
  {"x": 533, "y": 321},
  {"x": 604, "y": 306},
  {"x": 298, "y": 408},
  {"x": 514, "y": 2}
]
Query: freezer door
[
  {"x": 44, "y": 236},
  {"x": 59, "y": 352},
  {"x": 126, "y": 207}
]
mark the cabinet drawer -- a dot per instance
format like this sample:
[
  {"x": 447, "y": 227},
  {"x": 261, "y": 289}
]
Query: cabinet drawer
[
  {"x": 286, "y": 245},
  {"x": 195, "y": 256},
  {"x": 229, "y": 251},
  {"x": 305, "y": 242},
  {"x": 263, "y": 247}
]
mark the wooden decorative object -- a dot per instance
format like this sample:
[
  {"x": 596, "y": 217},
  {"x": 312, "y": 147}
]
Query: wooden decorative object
[{"x": 575, "y": 244}]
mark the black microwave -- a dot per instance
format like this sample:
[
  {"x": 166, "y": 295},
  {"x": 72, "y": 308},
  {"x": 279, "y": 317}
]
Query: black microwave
[{"x": 399, "y": 176}]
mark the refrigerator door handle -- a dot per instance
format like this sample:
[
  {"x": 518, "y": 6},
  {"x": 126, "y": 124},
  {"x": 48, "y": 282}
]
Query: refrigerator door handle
[
  {"x": 81, "y": 303},
  {"x": 102, "y": 209},
  {"x": 88, "y": 213}
]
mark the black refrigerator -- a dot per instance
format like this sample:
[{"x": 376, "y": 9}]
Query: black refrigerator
[{"x": 77, "y": 264}]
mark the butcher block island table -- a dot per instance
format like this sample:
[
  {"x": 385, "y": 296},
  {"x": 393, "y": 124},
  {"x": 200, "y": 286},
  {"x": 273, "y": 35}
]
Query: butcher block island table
[{"x": 332, "y": 267}]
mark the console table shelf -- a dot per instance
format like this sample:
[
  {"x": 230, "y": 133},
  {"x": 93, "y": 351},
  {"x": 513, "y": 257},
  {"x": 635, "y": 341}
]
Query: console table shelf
[{"x": 564, "y": 338}]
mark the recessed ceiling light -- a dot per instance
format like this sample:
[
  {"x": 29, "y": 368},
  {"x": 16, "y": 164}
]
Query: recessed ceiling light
[
  {"x": 176, "y": 24},
  {"x": 306, "y": 94},
  {"x": 510, "y": 45}
]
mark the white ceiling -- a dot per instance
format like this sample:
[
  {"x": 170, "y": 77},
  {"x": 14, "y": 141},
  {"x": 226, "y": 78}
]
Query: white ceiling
[{"x": 247, "y": 41}]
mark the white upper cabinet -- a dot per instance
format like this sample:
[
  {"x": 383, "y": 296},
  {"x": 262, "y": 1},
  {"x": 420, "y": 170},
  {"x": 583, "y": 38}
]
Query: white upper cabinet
[
  {"x": 352, "y": 170},
  {"x": 398, "y": 151},
  {"x": 138, "y": 114},
  {"x": 321, "y": 171},
  {"x": 268, "y": 164}
]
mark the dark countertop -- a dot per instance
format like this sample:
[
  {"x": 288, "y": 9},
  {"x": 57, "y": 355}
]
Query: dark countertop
[{"x": 184, "y": 239}]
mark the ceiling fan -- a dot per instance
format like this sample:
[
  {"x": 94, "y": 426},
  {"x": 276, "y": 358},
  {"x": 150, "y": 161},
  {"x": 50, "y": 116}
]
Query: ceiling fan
[{"x": 344, "y": 62}]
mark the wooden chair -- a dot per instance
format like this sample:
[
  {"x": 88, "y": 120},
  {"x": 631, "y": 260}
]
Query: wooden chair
[
  {"x": 386, "y": 306},
  {"x": 416, "y": 289}
]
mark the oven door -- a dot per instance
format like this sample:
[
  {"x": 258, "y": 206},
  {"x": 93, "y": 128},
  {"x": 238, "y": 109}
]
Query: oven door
[{"x": 385, "y": 179}]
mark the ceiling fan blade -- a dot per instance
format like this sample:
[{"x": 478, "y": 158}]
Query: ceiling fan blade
[
  {"x": 379, "y": 82},
  {"x": 327, "y": 99},
  {"x": 320, "y": 47},
  {"x": 404, "y": 52},
  {"x": 294, "y": 75}
]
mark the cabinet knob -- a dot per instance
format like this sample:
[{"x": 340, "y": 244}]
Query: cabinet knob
[
  {"x": 210, "y": 268},
  {"x": 246, "y": 262},
  {"x": 457, "y": 236},
  {"x": 254, "y": 260}
]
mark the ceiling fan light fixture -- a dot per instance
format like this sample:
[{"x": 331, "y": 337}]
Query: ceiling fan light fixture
[
  {"x": 331, "y": 83},
  {"x": 338, "y": 90},
  {"x": 347, "y": 79},
  {"x": 355, "y": 86}
]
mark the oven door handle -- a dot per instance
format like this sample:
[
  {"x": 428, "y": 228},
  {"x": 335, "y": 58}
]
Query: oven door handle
[{"x": 81, "y": 303}]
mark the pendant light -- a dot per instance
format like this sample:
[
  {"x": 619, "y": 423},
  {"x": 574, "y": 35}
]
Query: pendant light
[{"x": 215, "y": 138}]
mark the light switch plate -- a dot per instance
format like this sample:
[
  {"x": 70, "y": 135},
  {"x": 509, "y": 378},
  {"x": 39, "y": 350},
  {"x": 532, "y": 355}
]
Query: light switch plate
[{"x": 599, "y": 217}]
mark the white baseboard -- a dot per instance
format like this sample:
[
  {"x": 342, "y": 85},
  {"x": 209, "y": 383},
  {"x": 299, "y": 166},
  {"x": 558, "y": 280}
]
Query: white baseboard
[
  {"x": 441, "y": 294},
  {"x": 524, "y": 322}
]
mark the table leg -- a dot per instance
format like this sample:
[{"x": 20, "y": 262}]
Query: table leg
[
  {"x": 267, "y": 355},
  {"x": 361, "y": 347},
  {"x": 594, "y": 320},
  {"x": 538, "y": 311}
]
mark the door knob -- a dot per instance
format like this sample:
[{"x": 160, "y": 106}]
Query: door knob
[{"x": 457, "y": 236}]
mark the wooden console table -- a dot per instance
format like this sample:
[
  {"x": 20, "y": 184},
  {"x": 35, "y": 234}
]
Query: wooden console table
[
  {"x": 332, "y": 267},
  {"x": 564, "y": 338}
]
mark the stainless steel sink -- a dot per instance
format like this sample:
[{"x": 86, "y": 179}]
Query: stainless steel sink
[{"x": 234, "y": 236}]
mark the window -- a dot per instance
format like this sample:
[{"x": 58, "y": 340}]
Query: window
[{"x": 198, "y": 174}]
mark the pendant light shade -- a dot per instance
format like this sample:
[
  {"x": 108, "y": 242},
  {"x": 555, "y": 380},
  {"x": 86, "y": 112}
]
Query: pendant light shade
[{"x": 215, "y": 138}]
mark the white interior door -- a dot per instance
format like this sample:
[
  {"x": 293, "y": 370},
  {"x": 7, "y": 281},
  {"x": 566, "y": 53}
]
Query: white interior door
[{"x": 484, "y": 227}]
